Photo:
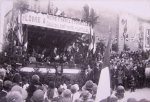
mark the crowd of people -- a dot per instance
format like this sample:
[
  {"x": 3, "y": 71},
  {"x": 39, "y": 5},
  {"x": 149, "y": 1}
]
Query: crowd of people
[
  {"x": 127, "y": 73},
  {"x": 128, "y": 70},
  {"x": 16, "y": 90}
]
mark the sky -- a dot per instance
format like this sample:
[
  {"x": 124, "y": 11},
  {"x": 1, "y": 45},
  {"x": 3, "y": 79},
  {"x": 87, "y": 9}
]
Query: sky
[{"x": 139, "y": 8}]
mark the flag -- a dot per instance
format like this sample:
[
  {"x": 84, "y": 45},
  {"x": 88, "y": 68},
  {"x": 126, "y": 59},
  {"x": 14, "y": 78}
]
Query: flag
[
  {"x": 25, "y": 38},
  {"x": 94, "y": 43},
  {"x": 91, "y": 46},
  {"x": 104, "y": 85},
  {"x": 49, "y": 7}
]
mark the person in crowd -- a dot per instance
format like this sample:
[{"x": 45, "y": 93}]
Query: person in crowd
[
  {"x": 25, "y": 83},
  {"x": 60, "y": 91},
  {"x": 52, "y": 91},
  {"x": 113, "y": 99},
  {"x": 6, "y": 88},
  {"x": 78, "y": 100},
  {"x": 89, "y": 86},
  {"x": 38, "y": 96},
  {"x": 94, "y": 92},
  {"x": 131, "y": 100},
  {"x": 20, "y": 90},
  {"x": 120, "y": 92},
  {"x": 75, "y": 93},
  {"x": 33, "y": 86},
  {"x": 55, "y": 55},
  {"x": 66, "y": 96},
  {"x": 114, "y": 76},
  {"x": 143, "y": 100},
  {"x": 69, "y": 86},
  {"x": 120, "y": 74},
  {"x": 132, "y": 83},
  {"x": 17, "y": 79},
  {"x": 14, "y": 96},
  {"x": 96, "y": 73},
  {"x": 88, "y": 72},
  {"x": 86, "y": 96},
  {"x": 9, "y": 72}
]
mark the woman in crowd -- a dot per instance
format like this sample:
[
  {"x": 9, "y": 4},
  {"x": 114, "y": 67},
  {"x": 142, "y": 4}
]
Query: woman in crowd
[{"x": 52, "y": 92}]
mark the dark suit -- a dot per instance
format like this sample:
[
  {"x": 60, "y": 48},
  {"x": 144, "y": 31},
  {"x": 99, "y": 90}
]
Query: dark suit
[{"x": 3, "y": 94}]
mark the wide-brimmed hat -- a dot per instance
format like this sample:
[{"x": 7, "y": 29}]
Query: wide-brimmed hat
[
  {"x": 113, "y": 99},
  {"x": 86, "y": 95},
  {"x": 131, "y": 100},
  {"x": 88, "y": 85},
  {"x": 64, "y": 100},
  {"x": 14, "y": 96},
  {"x": 38, "y": 95},
  {"x": 22, "y": 91},
  {"x": 78, "y": 100},
  {"x": 66, "y": 93}
]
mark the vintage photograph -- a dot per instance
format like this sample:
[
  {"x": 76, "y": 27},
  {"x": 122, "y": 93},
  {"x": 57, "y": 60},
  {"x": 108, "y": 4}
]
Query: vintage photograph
[{"x": 74, "y": 51}]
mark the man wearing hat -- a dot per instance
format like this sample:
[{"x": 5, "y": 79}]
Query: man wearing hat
[
  {"x": 20, "y": 90},
  {"x": 89, "y": 86},
  {"x": 85, "y": 96},
  {"x": 14, "y": 96},
  {"x": 6, "y": 88},
  {"x": 38, "y": 96}
]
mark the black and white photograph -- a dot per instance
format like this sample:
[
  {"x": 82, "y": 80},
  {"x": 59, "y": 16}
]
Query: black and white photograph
[{"x": 74, "y": 50}]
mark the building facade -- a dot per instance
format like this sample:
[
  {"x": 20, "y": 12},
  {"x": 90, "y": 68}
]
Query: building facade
[{"x": 133, "y": 32}]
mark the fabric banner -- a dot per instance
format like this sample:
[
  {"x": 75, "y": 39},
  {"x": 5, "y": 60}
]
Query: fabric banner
[{"x": 55, "y": 22}]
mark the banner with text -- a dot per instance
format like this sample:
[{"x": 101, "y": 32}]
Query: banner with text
[{"x": 55, "y": 22}]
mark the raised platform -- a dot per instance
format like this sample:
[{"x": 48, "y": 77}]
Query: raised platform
[
  {"x": 43, "y": 67},
  {"x": 50, "y": 70},
  {"x": 51, "y": 65}
]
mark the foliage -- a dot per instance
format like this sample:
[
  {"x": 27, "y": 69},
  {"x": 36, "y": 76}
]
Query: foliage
[
  {"x": 115, "y": 47},
  {"x": 90, "y": 15},
  {"x": 21, "y": 5}
]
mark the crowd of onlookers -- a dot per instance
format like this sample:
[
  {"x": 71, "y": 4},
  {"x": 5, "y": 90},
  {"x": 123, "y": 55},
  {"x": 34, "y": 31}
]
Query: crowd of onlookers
[
  {"x": 17, "y": 90},
  {"x": 127, "y": 72}
]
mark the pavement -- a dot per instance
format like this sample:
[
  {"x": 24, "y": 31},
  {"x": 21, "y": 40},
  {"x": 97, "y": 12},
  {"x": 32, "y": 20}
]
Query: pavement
[{"x": 139, "y": 94}]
